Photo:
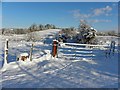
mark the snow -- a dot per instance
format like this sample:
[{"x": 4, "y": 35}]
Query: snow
[
  {"x": 86, "y": 45},
  {"x": 24, "y": 54},
  {"x": 55, "y": 40},
  {"x": 75, "y": 66}
]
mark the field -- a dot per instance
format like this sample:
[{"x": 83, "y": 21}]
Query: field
[{"x": 75, "y": 66}]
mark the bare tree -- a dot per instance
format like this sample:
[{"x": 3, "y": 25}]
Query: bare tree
[
  {"x": 41, "y": 27},
  {"x": 31, "y": 37},
  {"x": 32, "y": 28},
  {"x": 48, "y": 26}
]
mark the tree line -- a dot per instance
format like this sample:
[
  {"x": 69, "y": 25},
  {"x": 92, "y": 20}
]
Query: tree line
[
  {"x": 32, "y": 28},
  {"x": 70, "y": 32},
  {"x": 84, "y": 34}
]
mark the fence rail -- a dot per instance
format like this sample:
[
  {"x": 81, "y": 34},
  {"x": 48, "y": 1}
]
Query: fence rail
[{"x": 86, "y": 45}]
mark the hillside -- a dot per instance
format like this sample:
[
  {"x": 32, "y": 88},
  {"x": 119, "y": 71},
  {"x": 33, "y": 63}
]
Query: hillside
[{"x": 75, "y": 66}]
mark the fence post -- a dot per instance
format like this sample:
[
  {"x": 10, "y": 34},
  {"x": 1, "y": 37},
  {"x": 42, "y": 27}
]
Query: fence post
[
  {"x": 113, "y": 47},
  {"x": 6, "y": 52},
  {"x": 31, "y": 50},
  {"x": 55, "y": 47}
]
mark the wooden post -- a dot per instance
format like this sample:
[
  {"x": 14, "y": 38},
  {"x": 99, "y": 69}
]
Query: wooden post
[
  {"x": 6, "y": 52},
  {"x": 113, "y": 47},
  {"x": 54, "y": 49},
  {"x": 31, "y": 50},
  {"x": 75, "y": 52}
]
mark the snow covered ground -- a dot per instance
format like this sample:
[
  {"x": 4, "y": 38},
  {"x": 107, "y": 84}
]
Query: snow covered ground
[{"x": 75, "y": 67}]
